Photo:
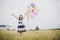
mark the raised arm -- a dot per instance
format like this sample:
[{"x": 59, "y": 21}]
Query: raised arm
[
  {"x": 25, "y": 14},
  {"x": 14, "y": 16}
]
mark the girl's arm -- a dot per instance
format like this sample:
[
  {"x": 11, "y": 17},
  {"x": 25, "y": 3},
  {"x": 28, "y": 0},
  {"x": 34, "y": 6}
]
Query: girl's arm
[
  {"x": 24, "y": 15},
  {"x": 14, "y": 16}
]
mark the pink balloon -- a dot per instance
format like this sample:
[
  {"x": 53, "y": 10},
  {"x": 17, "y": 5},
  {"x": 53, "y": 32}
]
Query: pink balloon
[
  {"x": 33, "y": 11},
  {"x": 32, "y": 16}
]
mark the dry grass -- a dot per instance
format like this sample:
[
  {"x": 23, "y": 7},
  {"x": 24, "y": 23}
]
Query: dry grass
[{"x": 30, "y": 35}]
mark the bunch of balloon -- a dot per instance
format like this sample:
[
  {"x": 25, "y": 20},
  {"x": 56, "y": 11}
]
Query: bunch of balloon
[
  {"x": 34, "y": 8},
  {"x": 31, "y": 11}
]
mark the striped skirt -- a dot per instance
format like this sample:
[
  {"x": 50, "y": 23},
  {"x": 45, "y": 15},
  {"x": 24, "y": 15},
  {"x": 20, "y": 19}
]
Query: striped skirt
[{"x": 21, "y": 28}]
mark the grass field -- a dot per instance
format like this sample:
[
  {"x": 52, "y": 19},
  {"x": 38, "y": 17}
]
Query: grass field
[{"x": 30, "y": 35}]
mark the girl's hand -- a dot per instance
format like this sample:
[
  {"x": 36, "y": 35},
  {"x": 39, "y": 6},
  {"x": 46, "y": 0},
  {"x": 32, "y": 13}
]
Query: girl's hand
[{"x": 12, "y": 14}]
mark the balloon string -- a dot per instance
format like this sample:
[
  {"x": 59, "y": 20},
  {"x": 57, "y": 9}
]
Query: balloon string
[{"x": 27, "y": 20}]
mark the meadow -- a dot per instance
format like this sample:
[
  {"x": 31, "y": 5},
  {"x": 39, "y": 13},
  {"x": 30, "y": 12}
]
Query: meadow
[{"x": 30, "y": 35}]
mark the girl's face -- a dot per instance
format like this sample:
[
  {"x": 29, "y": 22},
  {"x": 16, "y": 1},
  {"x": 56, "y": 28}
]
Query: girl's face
[{"x": 21, "y": 17}]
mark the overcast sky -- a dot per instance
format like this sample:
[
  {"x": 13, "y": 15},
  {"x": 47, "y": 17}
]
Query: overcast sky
[{"x": 48, "y": 17}]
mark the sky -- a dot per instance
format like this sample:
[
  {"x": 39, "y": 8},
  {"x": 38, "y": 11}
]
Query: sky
[{"x": 48, "y": 17}]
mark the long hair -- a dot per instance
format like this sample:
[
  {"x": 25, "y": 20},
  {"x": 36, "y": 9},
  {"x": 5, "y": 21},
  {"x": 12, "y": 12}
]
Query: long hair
[{"x": 20, "y": 17}]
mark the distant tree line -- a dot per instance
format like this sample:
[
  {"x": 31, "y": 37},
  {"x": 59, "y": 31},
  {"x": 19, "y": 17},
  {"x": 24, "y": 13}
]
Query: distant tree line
[{"x": 55, "y": 29}]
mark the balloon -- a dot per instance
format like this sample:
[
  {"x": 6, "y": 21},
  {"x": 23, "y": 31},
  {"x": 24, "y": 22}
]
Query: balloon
[
  {"x": 33, "y": 4},
  {"x": 32, "y": 16},
  {"x": 33, "y": 10}
]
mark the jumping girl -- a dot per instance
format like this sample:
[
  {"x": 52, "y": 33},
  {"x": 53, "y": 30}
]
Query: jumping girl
[{"x": 21, "y": 26}]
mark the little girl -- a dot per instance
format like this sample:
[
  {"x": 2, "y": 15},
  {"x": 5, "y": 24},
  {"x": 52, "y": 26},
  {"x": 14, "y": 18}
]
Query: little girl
[{"x": 21, "y": 26}]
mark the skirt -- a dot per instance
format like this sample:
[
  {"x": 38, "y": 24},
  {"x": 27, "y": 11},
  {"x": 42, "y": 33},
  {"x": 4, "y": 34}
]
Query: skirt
[{"x": 21, "y": 28}]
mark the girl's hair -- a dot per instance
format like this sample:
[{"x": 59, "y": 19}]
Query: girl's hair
[{"x": 20, "y": 17}]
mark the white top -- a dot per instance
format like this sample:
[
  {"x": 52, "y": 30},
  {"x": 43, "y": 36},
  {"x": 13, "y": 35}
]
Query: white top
[{"x": 20, "y": 22}]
